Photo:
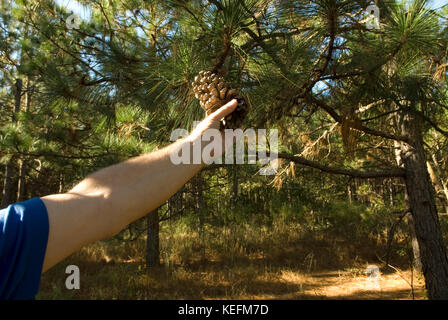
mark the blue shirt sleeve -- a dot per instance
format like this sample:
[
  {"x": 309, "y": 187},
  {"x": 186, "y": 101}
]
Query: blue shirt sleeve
[{"x": 24, "y": 230}]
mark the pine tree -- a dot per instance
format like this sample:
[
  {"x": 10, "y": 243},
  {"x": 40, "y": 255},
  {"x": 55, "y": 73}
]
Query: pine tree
[
  {"x": 305, "y": 59},
  {"x": 348, "y": 100}
]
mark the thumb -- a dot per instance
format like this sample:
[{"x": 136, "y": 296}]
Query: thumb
[{"x": 226, "y": 109}]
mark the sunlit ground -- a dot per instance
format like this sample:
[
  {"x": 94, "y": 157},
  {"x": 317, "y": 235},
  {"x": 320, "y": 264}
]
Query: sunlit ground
[{"x": 240, "y": 263}]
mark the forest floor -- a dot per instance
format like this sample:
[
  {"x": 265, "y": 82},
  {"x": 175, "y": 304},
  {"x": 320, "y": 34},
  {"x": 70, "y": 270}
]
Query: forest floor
[{"x": 250, "y": 269}]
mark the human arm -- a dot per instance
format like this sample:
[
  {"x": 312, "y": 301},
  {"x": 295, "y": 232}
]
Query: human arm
[{"x": 107, "y": 201}]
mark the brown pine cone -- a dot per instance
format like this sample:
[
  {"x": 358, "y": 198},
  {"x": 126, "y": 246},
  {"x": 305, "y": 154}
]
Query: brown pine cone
[{"x": 213, "y": 92}]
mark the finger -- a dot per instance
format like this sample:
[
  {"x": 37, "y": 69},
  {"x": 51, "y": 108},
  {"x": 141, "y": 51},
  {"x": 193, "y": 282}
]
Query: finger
[{"x": 226, "y": 109}]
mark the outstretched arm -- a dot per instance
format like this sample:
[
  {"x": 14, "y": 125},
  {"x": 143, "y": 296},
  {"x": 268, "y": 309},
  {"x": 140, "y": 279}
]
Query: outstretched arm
[{"x": 105, "y": 202}]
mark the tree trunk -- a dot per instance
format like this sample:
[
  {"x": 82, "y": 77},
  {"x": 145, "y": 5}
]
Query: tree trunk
[
  {"x": 416, "y": 259},
  {"x": 21, "y": 181},
  {"x": 235, "y": 185},
  {"x": 349, "y": 192},
  {"x": 10, "y": 184},
  {"x": 391, "y": 193},
  {"x": 21, "y": 186},
  {"x": 200, "y": 209},
  {"x": 152, "y": 239},
  {"x": 424, "y": 212},
  {"x": 438, "y": 183},
  {"x": 199, "y": 203}
]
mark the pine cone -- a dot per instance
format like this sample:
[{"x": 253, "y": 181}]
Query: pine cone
[{"x": 213, "y": 92}]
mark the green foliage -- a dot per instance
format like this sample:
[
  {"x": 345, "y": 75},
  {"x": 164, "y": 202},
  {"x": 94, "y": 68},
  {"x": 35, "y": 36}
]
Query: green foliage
[{"x": 117, "y": 87}]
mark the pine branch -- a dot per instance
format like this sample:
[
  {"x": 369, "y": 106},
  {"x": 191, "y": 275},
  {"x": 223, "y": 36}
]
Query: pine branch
[
  {"x": 390, "y": 173},
  {"x": 307, "y": 87},
  {"x": 338, "y": 118},
  {"x": 74, "y": 56},
  {"x": 222, "y": 57},
  {"x": 391, "y": 232},
  {"x": 268, "y": 51},
  {"x": 432, "y": 123},
  {"x": 381, "y": 115},
  {"x": 255, "y": 42},
  {"x": 191, "y": 13},
  {"x": 57, "y": 155},
  {"x": 217, "y": 4}
]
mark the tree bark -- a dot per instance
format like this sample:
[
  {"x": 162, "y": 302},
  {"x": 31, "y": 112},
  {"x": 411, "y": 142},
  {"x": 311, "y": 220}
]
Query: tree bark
[
  {"x": 200, "y": 209},
  {"x": 152, "y": 239},
  {"x": 8, "y": 186},
  {"x": 423, "y": 208},
  {"x": 234, "y": 185},
  {"x": 10, "y": 183},
  {"x": 21, "y": 181},
  {"x": 416, "y": 259},
  {"x": 438, "y": 183}
]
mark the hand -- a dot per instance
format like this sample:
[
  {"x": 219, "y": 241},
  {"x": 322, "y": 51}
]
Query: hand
[
  {"x": 208, "y": 128},
  {"x": 213, "y": 120}
]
